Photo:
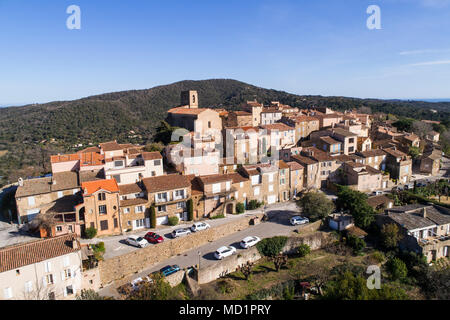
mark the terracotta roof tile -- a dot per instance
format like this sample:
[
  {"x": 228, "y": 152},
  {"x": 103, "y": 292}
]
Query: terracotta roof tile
[
  {"x": 36, "y": 251},
  {"x": 94, "y": 186},
  {"x": 167, "y": 182}
]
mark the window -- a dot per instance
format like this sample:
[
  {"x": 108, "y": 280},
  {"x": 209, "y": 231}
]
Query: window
[
  {"x": 216, "y": 188},
  {"x": 18, "y": 272},
  {"x": 351, "y": 149},
  {"x": 48, "y": 266},
  {"x": 209, "y": 124},
  {"x": 117, "y": 178},
  {"x": 69, "y": 290},
  {"x": 162, "y": 208},
  {"x": 153, "y": 173},
  {"x": 256, "y": 191},
  {"x": 228, "y": 185},
  {"x": 139, "y": 209},
  {"x": 51, "y": 296},
  {"x": 270, "y": 177},
  {"x": 28, "y": 286},
  {"x": 241, "y": 184},
  {"x": 126, "y": 210},
  {"x": 49, "y": 279},
  {"x": 181, "y": 205},
  {"x": 179, "y": 194},
  {"x": 104, "y": 225},
  {"x": 102, "y": 209},
  {"x": 351, "y": 140},
  {"x": 31, "y": 201},
  {"x": 282, "y": 181},
  {"x": 157, "y": 162},
  {"x": 271, "y": 188},
  {"x": 102, "y": 196},
  {"x": 67, "y": 273},
  {"x": 60, "y": 194},
  {"x": 139, "y": 223},
  {"x": 118, "y": 163},
  {"x": 116, "y": 224},
  {"x": 161, "y": 197},
  {"x": 7, "y": 293},
  {"x": 59, "y": 229}
]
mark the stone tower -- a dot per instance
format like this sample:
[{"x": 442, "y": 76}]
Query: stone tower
[{"x": 189, "y": 99}]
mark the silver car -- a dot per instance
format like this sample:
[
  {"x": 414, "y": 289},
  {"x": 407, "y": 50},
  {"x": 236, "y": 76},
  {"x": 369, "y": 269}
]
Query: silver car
[{"x": 180, "y": 232}]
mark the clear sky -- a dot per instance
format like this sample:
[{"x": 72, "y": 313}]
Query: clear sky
[{"x": 300, "y": 46}]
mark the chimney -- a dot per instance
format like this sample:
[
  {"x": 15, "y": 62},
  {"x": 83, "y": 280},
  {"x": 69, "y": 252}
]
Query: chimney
[
  {"x": 74, "y": 243},
  {"x": 20, "y": 182},
  {"x": 424, "y": 212}
]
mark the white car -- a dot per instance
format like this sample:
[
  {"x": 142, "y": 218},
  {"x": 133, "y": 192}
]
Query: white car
[
  {"x": 180, "y": 232},
  {"x": 136, "y": 283},
  {"x": 377, "y": 193},
  {"x": 299, "y": 220},
  {"x": 224, "y": 252},
  {"x": 199, "y": 226},
  {"x": 137, "y": 241},
  {"x": 248, "y": 242}
]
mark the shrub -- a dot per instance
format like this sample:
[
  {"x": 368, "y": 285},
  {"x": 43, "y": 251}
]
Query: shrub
[
  {"x": 173, "y": 221},
  {"x": 397, "y": 269},
  {"x": 190, "y": 205},
  {"x": 357, "y": 244},
  {"x": 152, "y": 217},
  {"x": 220, "y": 216},
  {"x": 315, "y": 205},
  {"x": 303, "y": 250},
  {"x": 240, "y": 208},
  {"x": 254, "y": 204},
  {"x": 390, "y": 236},
  {"x": 99, "y": 247},
  {"x": 378, "y": 256},
  {"x": 90, "y": 232},
  {"x": 270, "y": 247}
]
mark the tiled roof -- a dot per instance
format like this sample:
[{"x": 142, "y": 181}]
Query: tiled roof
[
  {"x": 36, "y": 251},
  {"x": 91, "y": 175},
  {"x": 133, "y": 202},
  {"x": 282, "y": 165},
  {"x": 58, "y": 182},
  {"x": 241, "y": 113},
  {"x": 329, "y": 140},
  {"x": 376, "y": 201},
  {"x": 167, "y": 182},
  {"x": 129, "y": 189},
  {"x": 395, "y": 153},
  {"x": 196, "y": 188},
  {"x": 151, "y": 155},
  {"x": 91, "y": 159},
  {"x": 344, "y": 132},
  {"x": 294, "y": 165},
  {"x": 237, "y": 178},
  {"x": 299, "y": 119},
  {"x": 215, "y": 178},
  {"x": 90, "y": 149},
  {"x": 110, "y": 146},
  {"x": 411, "y": 216},
  {"x": 64, "y": 158},
  {"x": 181, "y": 110},
  {"x": 277, "y": 126},
  {"x": 304, "y": 160},
  {"x": 371, "y": 153},
  {"x": 271, "y": 110},
  {"x": 106, "y": 184}
]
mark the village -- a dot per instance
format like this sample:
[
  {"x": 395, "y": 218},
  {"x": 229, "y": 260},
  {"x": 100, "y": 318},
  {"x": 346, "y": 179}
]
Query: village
[{"x": 109, "y": 215}]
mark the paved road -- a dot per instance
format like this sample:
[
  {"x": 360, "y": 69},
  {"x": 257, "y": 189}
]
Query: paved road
[
  {"x": 278, "y": 225},
  {"x": 116, "y": 245}
]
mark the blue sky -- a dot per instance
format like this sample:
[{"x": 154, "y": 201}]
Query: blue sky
[{"x": 300, "y": 46}]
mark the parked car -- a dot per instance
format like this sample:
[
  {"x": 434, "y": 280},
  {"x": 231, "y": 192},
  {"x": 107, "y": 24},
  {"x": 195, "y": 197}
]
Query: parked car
[
  {"x": 137, "y": 241},
  {"x": 299, "y": 220},
  {"x": 152, "y": 237},
  {"x": 377, "y": 193},
  {"x": 409, "y": 186},
  {"x": 224, "y": 252},
  {"x": 180, "y": 232},
  {"x": 199, "y": 226},
  {"x": 248, "y": 242},
  {"x": 168, "y": 270}
]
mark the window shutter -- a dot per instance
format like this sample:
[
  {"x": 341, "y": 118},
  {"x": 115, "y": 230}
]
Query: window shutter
[
  {"x": 72, "y": 272},
  {"x": 65, "y": 292},
  {"x": 49, "y": 266},
  {"x": 44, "y": 281},
  {"x": 63, "y": 275},
  {"x": 74, "y": 290}
]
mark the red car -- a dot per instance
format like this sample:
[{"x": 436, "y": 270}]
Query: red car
[{"x": 152, "y": 237}]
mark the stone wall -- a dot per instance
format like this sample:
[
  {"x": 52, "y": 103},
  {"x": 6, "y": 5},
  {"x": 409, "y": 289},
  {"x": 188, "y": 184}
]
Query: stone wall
[
  {"x": 117, "y": 268},
  {"x": 228, "y": 265},
  {"x": 314, "y": 240}
]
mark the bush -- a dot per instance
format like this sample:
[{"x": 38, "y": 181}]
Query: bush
[
  {"x": 397, "y": 269},
  {"x": 173, "y": 221},
  {"x": 99, "y": 247},
  {"x": 90, "y": 232},
  {"x": 254, "y": 204},
  {"x": 220, "y": 216},
  {"x": 357, "y": 244},
  {"x": 152, "y": 217},
  {"x": 270, "y": 247},
  {"x": 315, "y": 205},
  {"x": 303, "y": 250},
  {"x": 190, "y": 205},
  {"x": 390, "y": 236},
  {"x": 378, "y": 256},
  {"x": 240, "y": 208}
]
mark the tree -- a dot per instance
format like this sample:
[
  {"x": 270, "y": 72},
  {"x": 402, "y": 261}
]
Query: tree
[
  {"x": 279, "y": 261},
  {"x": 390, "y": 236},
  {"x": 89, "y": 295},
  {"x": 356, "y": 203},
  {"x": 152, "y": 217},
  {"x": 397, "y": 268},
  {"x": 190, "y": 206},
  {"x": 154, "y": 147},
  {"x": 421, "y": 128},
  {"x": 315, "y": 205},
  {"x": 157, "y": 289},
  {"x": 90, "y": 232},
  {"x": 270, "y": 247},
  {"x": 246, "y": 269},
  {"x": 303, "y": 250},
  {"x": 414, "y": 152},
  {"x": 404, "y": 124},
  {"x": 357, "y": 244}
]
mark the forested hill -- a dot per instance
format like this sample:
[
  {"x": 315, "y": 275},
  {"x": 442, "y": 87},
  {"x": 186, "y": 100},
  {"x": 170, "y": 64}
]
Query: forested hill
[{"x": 29, "y": 134}]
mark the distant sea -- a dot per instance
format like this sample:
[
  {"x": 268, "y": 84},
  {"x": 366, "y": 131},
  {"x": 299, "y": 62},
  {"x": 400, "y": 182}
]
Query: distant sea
[{"x": 433, "y": 100}]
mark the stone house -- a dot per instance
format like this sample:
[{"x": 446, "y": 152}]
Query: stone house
[
  {"x": 46, "y": 269},
  {"x": 270, "y": 116},
  {"x": 303, "y": 125},
  {"x": 329, "y": 120},
  {"x": 433, "y": 136},
  {"x": 218, "y": 191},
  {"x": 101, "y": 206},
  {"x": 169, "y": 195},
  {"x": 398, "y": 164},
  {"x": 326, "y": 164},
  {"x": 239, "y": 119},
  {"x": 296, "y": 178},
  {"x": 133, "y": 207},
  {"x": 375, "y": 158},
  {"x": 33, "y": 195},
  {"x": 311, "y": 172},
  {"x": 426, "y": 229},
  {"x": 363, "y": 178},
  {"x": 284, "y": 178},
  {"x": 281, "y": 135},
  {"x": 264, "y": 182},
  {"x": 189, "y": 161},
  {"x": 430, "y": 163}
]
